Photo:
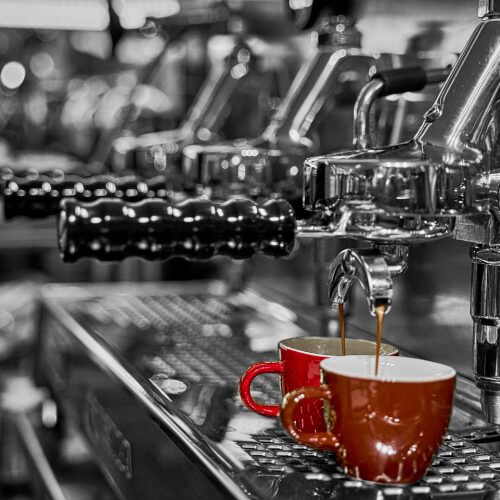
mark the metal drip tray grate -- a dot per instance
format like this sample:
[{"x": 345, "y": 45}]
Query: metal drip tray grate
[
  {"x": 188, "y": 338},
  {"x": 461, "y": 465},
  {"x": 202, "y": 342}
]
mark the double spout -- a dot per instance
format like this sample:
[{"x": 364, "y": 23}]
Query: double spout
[{"x": 373, "y": 268}]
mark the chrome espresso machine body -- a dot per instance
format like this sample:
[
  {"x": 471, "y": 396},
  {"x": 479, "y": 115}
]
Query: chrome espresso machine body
[
  {"x": 441, "y": 183},
  {"x": 149, "y": 373}
]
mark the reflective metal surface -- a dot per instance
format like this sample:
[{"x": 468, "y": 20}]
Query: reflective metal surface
[
  {"x": 149, "y": 374},
  {"x": 273, "y": 161},
  {"x": 239, "y": 77},
  {"x": 399, "y": 81},
  {"x": 442, "y": 182},
  {"x": 373, "y": 269},
  {"x": 446, "y": 170},
  {"x": 155, "y": 373}
]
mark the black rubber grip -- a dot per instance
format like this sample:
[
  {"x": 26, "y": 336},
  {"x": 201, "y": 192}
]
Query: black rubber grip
[
  {"x": 111, "y": 230},
  {"x": 40, "y": 197},
  {"x": 397, "y": 81}
]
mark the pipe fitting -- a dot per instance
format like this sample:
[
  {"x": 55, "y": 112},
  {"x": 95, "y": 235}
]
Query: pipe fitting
[{"x": 373, "y": 268}]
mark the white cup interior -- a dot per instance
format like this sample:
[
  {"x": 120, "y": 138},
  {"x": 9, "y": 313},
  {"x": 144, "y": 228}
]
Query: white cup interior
[{"x": 391, "y": 369}]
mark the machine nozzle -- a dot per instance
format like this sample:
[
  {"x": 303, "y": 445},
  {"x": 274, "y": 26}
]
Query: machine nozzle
[{"x": 373, "y": 268}]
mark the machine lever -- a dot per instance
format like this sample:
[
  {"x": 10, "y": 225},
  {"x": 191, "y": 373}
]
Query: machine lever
[
  {"x": 39, "y": 197},
  {"x": 196, "y": 229}
]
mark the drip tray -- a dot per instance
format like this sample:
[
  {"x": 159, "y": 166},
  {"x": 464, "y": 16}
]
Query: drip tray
[
  {"x": 461, "y": 467},
  {"x": 150, "y": 376}
]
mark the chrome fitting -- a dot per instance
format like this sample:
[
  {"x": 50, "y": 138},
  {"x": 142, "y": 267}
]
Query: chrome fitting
[
  {"x": 373, "y": 268},
  {"x": 488, "y": 8}
]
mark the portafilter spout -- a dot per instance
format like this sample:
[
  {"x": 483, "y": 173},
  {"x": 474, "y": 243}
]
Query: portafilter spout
[{"x": 373, "y": 268}]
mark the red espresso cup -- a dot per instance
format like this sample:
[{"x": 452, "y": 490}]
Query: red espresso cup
[
  {"x": 298, "y": 367},
  {"x": 384, "y": 428}
]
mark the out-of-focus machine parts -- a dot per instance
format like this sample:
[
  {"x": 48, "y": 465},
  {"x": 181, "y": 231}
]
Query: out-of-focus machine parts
[
  {"x": 39, "y": 197},
  {"x": 272, "y": 162},
  {"x": 240, "y": 76}
]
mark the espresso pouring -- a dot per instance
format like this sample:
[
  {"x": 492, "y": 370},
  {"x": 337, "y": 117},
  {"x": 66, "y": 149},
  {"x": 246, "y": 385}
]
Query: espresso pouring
[{"x": 379, "y": 313}]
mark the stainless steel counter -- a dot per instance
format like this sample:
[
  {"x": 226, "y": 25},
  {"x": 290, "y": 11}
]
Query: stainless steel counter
[{"x": 149, "y": 373}]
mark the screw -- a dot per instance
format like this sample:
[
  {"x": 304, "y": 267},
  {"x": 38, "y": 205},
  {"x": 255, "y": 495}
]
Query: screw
[{"x": 433, "y": 113}]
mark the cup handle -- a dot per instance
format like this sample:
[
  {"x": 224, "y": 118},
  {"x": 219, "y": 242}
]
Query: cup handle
[
  {"x": 246, "y": 381},
  {"x": 288, "y": 407}
]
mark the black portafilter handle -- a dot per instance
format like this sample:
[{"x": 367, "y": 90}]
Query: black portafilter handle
[
  {"x": 39, "y": 197},
  {"x": 409, "y": 79},
  {"x": 196, "y": 229}
]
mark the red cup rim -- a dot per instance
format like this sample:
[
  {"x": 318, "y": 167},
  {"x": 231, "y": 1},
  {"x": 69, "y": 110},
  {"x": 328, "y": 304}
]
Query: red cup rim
[{"x": 385, "y": 349}]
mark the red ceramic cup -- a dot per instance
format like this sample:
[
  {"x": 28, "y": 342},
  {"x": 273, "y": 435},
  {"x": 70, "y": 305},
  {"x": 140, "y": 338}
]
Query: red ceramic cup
[
  {"x": 299, "y": 366},
  {"x": 384, "y": 428}
]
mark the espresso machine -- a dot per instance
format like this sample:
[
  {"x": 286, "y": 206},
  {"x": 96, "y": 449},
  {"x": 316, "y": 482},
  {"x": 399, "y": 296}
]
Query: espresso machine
[{"x": 148, "y": 373}]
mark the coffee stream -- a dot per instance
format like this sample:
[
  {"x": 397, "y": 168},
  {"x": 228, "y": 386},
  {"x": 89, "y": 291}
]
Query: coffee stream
[
  {"x": 342, "y": 327},
  {"x": 379, "y": 313}
]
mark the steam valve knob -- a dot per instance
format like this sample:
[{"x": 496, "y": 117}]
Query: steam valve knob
[{"x": 197, "y": 229}]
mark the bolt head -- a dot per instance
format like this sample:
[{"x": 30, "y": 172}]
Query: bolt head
[
  {"x": 433, "y": 113},
  {"x": 488, "y": 8}
]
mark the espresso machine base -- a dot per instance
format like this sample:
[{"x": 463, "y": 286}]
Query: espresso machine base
[{"x": 149, "y": 373}]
